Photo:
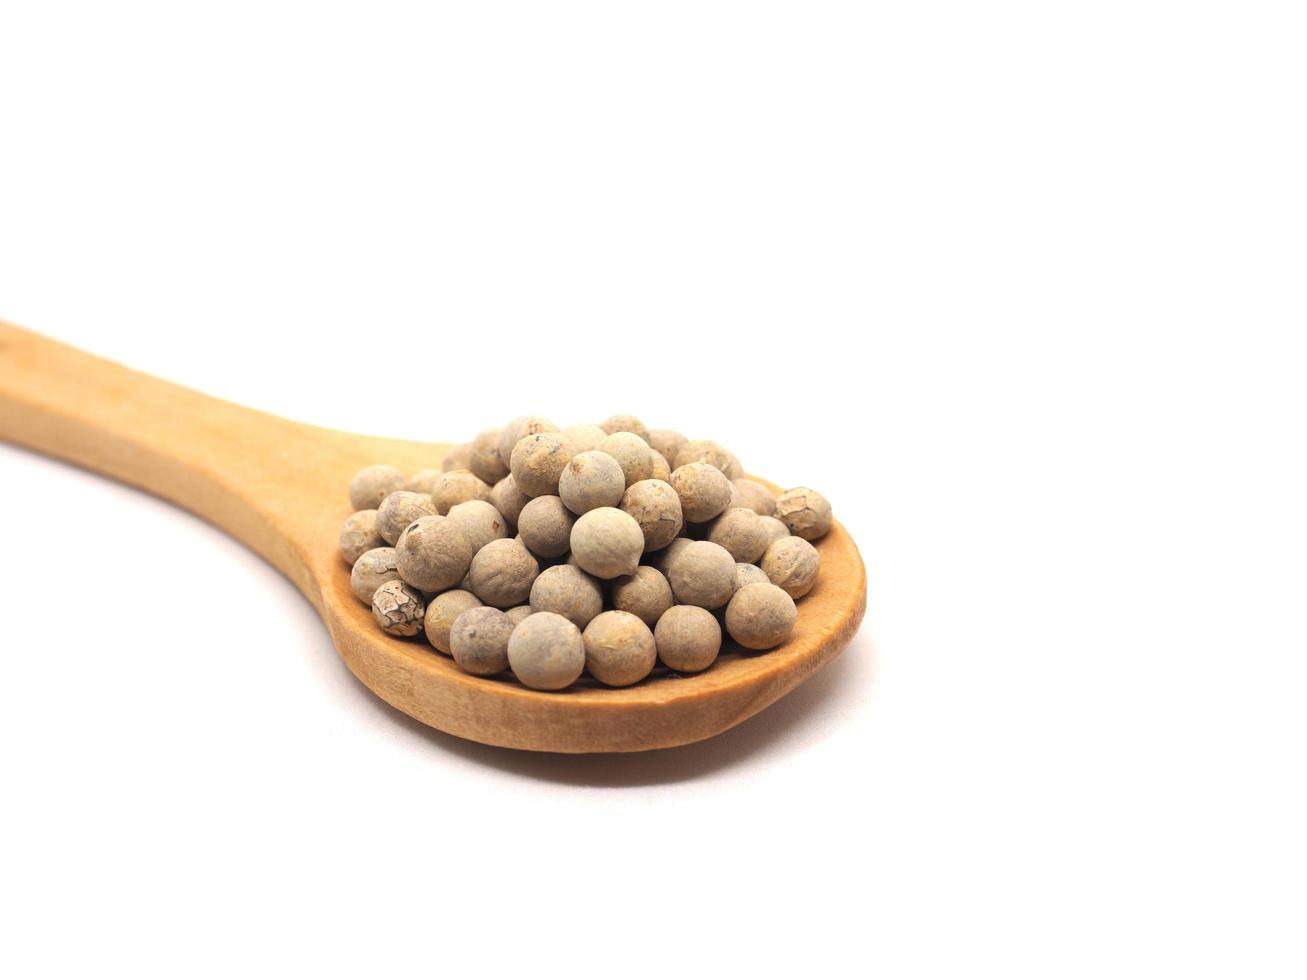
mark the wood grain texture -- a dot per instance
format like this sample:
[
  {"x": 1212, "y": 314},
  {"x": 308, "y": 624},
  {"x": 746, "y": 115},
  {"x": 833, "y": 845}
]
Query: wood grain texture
[{"x": 280, "y": 487}]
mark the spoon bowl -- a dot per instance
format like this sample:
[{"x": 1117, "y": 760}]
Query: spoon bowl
[{"x": 280, "y": 488}]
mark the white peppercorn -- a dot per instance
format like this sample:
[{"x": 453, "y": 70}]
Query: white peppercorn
[
  {"x": 502, "y": 573},
  {"x": 569, "y": 592},
  {"x": 752, "y": 494},
  {"x": 591, "y": 479},
  {"x": 399, "y": 510},
  {"x": 545, "y": 526},
  {"x": 662, "y": 560},
  {"x": 372, "y": 484},
  {"x": 667, "y": 442},
  {"x": 538, "y": 460},
  {"x": 656, "y": 508},
  {"x": 760, "y": 616},
  {"x": 805, "y": 512},
  {"x": 433, "y": 553},
  {"x": 483, "y": 458},
  {"x": 746, "y": 574},
  {"x": 480, "y": 521},
  {"x": 398, "y": 608},
  {"x": 688, "y": 638},
  {"x": 546, "y": 652},
  {"x": 509, "y": 500},
  {"x": 607, "y": 542},
  {"x": 702, "y": 574},
  {"x": 585, "y": 437},
  {"x": 661, "y": 471},
  {"x": 775, "y": 529},
  {"x": 632, "y": 453},
  {"x": 645, "y": 594},
  {"x": 519, "y": 613},
  {"x": 371, "y": 571},
  {"x": 704, "y": 491},
  {"x": 457, "y": 486},
  {"x": 793, "y": 564},
  {"x": 457, "y": 457},
  {"x": 479, "y": 640},
  {"x": 625, "y": 423},
  {"x": 359, "y": 534},
  {"x": 703, "y": 451},
  {"x": 740, "y": 531},
  {"x": 442, "y": 612},
  {"x": 619, "y": 649},
  {"x": 510, "y": 434},
  {"x": 423, "y": 481}
]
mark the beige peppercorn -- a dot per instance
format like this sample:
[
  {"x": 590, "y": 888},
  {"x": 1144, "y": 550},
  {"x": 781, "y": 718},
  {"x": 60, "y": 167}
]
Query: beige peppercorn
[
  {"x": 442, "y": 612},
  {"x": 625, "y": 423},
  {"x": 519, "y": 613},
  {"x": 688, "y": 638},
  {"x": 371, "y": 571},
  {"x": 457, "y": 458},
  {"x": 585, "y": 437},
  {"x": 656, "y": 508},
  {"x": 359, "y": 534},
  {"x": 607, "y": 542},
  {"x": 399, "y": 510},
  {"x": 702, "y": 574},
  {"x": 704, "y": 451},
  {"x": 509, "y": 500},
  {"x": 502, "y": 573},
  {"x": 591, "y": 479},
  {"x": 538, "y": 460},
  {"x": 569, "y": 592},
  {"x": 546, "y": 652},
  {"x": 746, "y": 574},
  {"x": 527, "y": 425},
  {"x": 793, "y": 564},
  {"x": 661, "y": 471},
  {"x": 752, "y": 494},
  {"x": 372, "y": 484},
  {"x": 632, "y": 453},
  {"x": 805, "y": 512},
  {"x": 704, "y": 491},
  {"x": 760, "y": 616},
  {"x": 662, "y": 560},
  {"x": 667, "y": 442},
  {"x": 423, "y": 481},
  {"x": 619, "y": 649},
  {"x": 545, "y": 526},
  {"x": 645, "y": 594},
  {"x": 740, "y": 531},
  {"x": 433, "y": 553},
  {"x": 457, "y": 486},
  {"x": 479, "y": 640},
  {"x": 480, "y": 521},
  {"x": 483, "y": 458},
  {"x": 775, "y": 529},
  {"x": 398, "y": 609}
]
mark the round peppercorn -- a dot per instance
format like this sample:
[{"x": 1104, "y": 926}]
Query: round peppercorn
[
  {"x": 442, "y": 612},
  {"x": 455, "y": 487},
  {"x": 519, "y": 613},
  {"x": 775, "y": 529},
  {"x": 645, "y": 594},
  {"x": 667, "y": 442},
  {"x": 569, "y": 592},
  {"x": 702, "y": 574},
  {"x": 372, "y": 484},
  {"x": 661, "y": 471},
  {"x": 704, "y": 491},
  {"x": 619, "y": 649},
  {"x": 805, "y": 512},
  {"x": 625, "y": 423},
  {"x": 688, "y": 638},
  {"x": 359, "y": 534},
  {"x": 792, "y": 564},
  {"x": 398, "y": 609},
  {"x": 423, "y": 481},
  {"x": 483, "y": 458},
  {"x": 632, "y": 453},
  {"x": 704, "y": 451},
  {"x": 502, "y": 573},
  {"x": 662, "y": 560},
  {"x": 479, "y": 640},
  {"x": 545, "y": 527},
  {"x": 656, "y": 508},
  {"x": 538, "y": 461},
  {"x": 607, "y": 542},
  {"x": 740, "y": 531},
  {"x": 509, "y": 500},
  {"x": 433, "y": 553},
  {"x": 399, "y": 510},
  {"x": 480, "y": 521},
  {"x": 746, "y": 574},
  {"x": 589, "y": 480},
  {"x": 457, "y": 457},
  {"x": 546, "y": 652},
  {"x": 373, "y": 570},
  {"x": 760, "y": 616},
  {"x": 752, "y": 494},
  {"x": 585, "y": 437},
  {"x": 527, "y": 425}
]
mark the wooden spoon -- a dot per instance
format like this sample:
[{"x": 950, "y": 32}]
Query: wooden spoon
[{"x": 280, "y": 488}]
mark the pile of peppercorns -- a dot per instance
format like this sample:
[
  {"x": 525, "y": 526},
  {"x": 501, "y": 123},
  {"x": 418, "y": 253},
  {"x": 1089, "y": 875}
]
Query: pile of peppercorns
[{"x": 659, "y": 530}]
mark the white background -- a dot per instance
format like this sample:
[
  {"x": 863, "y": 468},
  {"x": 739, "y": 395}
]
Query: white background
[{"x": 1019, "y": 286}]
